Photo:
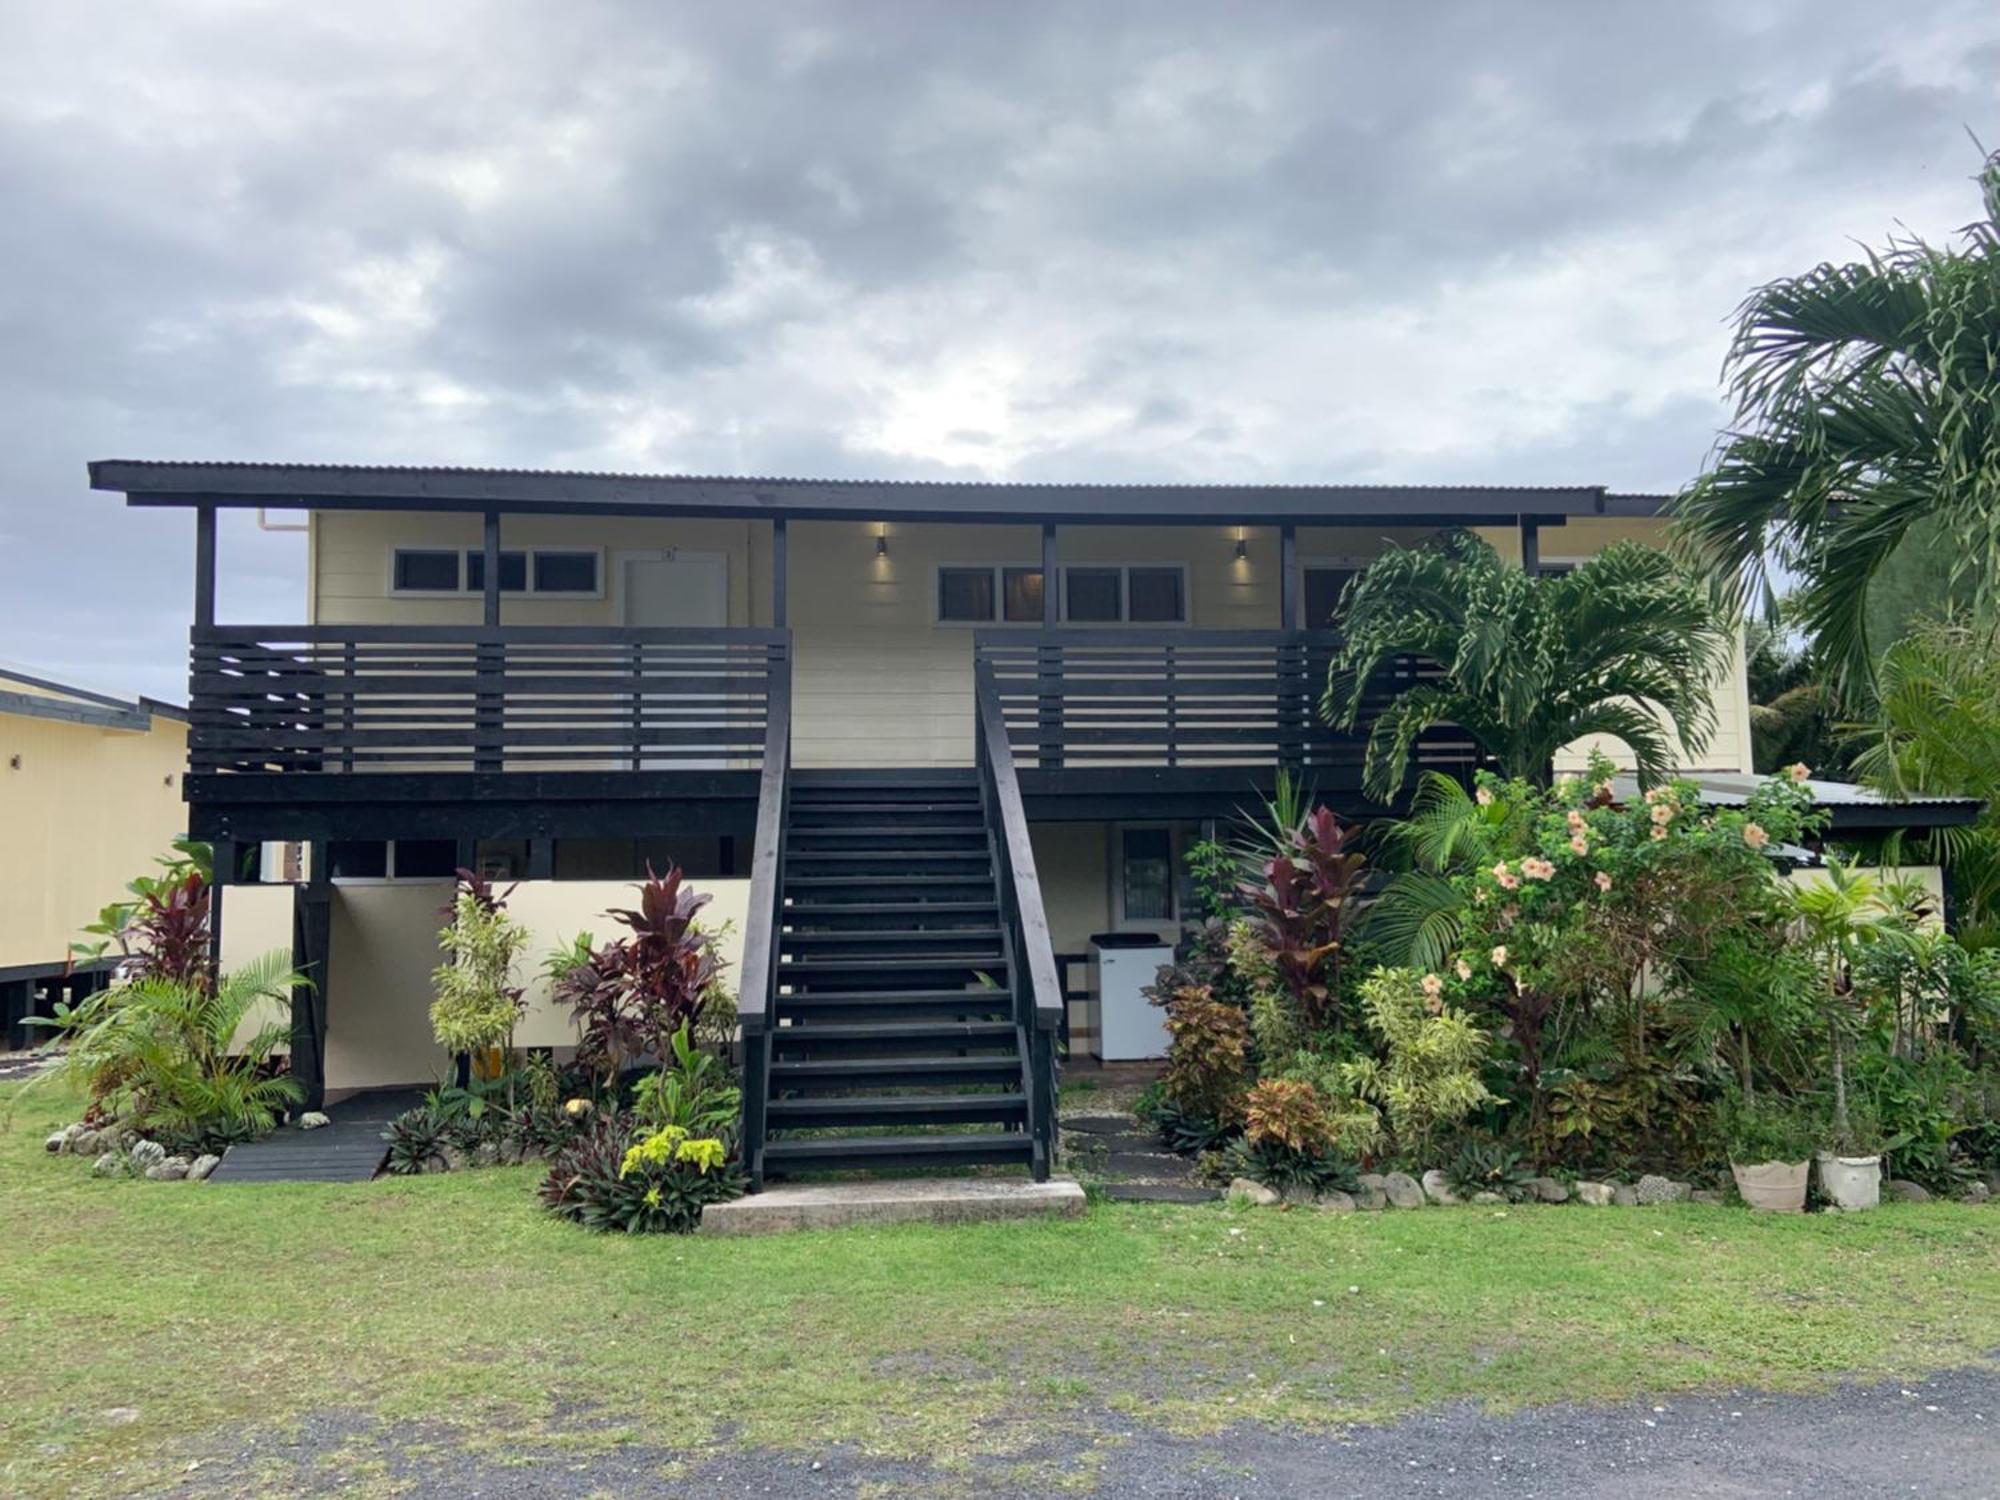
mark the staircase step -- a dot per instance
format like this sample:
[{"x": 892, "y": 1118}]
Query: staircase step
[
  {"x": 892, "y": 1005},
  {"x": 871, "y": 889},
  {"x": 891, "y": 1038},
  {"x": 819, "y": 1075},
  {"x": 851, "y": 916},
  {"x": 962, "y": 811},
  {"x": 855, "y": 1152},
  {"x": 869, "y": 833},
  {"x": 905, "y": 1109},
  {"x": 869, "y": 861},
  {"x": 806, "y": 971},
  {"x": 895, "y": 941}
]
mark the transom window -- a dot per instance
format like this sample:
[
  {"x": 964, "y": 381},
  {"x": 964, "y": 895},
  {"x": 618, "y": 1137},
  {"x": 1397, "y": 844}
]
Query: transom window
[
  {"x": 1092, "y": 594},
  {"x": 536, "y": 570}
]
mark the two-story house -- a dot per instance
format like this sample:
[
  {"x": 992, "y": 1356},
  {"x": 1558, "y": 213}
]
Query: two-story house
[{"x": 924, "y": 739}]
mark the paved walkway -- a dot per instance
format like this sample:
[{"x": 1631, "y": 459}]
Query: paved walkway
[
  {"x": 1127, "y": 1162},
  {"x": 351, "y": 1149}
]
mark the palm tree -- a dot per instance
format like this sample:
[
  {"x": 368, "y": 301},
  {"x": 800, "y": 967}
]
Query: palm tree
[
  {"x": 1867, "y": 406},
  {"x": 1625, "y": 645},
  {"x": 1936, "y": 733},
  {"x": 181, "y": 1057}
]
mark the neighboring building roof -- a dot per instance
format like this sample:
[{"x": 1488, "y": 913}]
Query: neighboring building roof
[
  {"x": 1853, "y": 808},
  {"x": 78, "y": 705},
  {"x": 355, "y": 486}
]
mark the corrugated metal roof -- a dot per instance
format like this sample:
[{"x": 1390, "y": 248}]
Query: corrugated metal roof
[
  {"x": 333, "y": 485},
  {"x": 1854, "y": 807}
]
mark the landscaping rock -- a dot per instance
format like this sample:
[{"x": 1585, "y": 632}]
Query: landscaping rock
[
  {"x": 1624, "y": 1195},
  {"x": 1975, "y": 1192},
  {"x": 110, "y": 1164},
  {"x": 1439, "y": 1191},
  {"x": 313, "y": 1119},
  {"x": 86, "y": 1143},
  {"x": 56, "y": 1143},
  {"x": 147, "y": 1154},
  {"x": 173, "y": 1169},
  {"x": 455, "y": 1159},
  {"x": 1596, "y": 1194},
  {"x": 1549, "y": 1190},
  {"x": 1904, "y": 1191},
  {"x": 1371, "y": 1199},
  {"x": 1992, "y": 1181},
  {"x": 1655, "y": 1189},
  {"x": 199, "y": 1169},
  {"x": 1334, "y": 1202},
  {"x": 1486, "y": 1200},
  {"x": 118, "y": 1416},
  {"x": 1707, "y": 1195},
  {"x": 1253, "y": 1192},
  {"x": 1403, "y": 1190}
]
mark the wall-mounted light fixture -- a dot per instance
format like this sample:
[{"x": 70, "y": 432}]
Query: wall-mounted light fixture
[
  {"x": 882, "y": 543},
  {"x": 1242, "y": 548},
  {"x": 13, "y": 762}
]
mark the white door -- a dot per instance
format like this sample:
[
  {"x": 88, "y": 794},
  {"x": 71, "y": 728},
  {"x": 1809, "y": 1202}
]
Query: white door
[{"x": 674, "y": 588}]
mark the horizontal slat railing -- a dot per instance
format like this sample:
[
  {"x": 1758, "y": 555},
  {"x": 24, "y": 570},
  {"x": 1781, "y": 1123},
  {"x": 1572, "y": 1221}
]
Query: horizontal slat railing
[
  {"x": 335, "y": 698},
  {"x": 1079, "y": 698}
]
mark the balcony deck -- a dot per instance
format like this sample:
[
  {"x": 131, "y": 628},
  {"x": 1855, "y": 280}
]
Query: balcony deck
[{"x": 398, "y": 731}]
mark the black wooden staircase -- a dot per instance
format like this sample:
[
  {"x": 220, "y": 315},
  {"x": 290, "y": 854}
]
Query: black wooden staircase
[
  {"x": 899, "y": 998},
  {"x": 894, "y": 1042}
]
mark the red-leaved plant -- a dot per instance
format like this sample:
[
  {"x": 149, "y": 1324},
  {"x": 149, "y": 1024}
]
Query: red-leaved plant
[
  {"x": 635, "y": 992},
  {"x": 1303, "y": 906}
]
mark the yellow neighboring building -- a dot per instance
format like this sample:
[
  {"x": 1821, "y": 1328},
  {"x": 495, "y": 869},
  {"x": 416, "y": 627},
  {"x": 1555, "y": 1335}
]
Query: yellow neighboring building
[{"x": 90, "y": 794}]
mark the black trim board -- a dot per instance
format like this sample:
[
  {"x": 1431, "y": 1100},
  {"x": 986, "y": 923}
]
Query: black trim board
[{"x": 249, "y": 808}]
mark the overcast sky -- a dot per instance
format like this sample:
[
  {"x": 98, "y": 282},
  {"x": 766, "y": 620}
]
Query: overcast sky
[{"x": 1089, "y": 241}]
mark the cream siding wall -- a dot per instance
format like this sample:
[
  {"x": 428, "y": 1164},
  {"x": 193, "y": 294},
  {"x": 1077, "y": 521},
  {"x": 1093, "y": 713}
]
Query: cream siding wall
[
  {"x": 87, "y": 810},
  {"x": 877, "y": 680},
  {"x": 383, "y": 948}
]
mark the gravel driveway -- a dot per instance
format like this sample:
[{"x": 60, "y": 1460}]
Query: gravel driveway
[{"x": 1938, "y": 1439}]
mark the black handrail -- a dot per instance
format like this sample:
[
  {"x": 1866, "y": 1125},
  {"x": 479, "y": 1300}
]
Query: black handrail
[
  {"x": 1031, "y": 967},
  {"x": 763, "y": 924}
]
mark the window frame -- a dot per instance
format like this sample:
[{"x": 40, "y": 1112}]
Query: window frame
[
  {"x": 388, "y": 864},
  {"x": 999, "y": 571},
  {"x": 1124, "y": 571},
  {"x": 1122, "y": 920},
  {"x": 1331, "y": 562},
  {"x": 527, "y": 555}
]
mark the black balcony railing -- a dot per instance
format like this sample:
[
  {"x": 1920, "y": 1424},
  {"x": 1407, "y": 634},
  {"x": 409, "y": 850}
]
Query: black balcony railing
[
  {"x": 1137, "y": 697},
  {"x": 337, "y": 698}
]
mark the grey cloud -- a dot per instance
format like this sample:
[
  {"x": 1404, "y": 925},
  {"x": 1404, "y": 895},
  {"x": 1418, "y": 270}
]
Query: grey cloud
[{"x": 1040, "y": 240}]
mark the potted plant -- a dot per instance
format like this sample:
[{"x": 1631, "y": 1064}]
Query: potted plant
[
  {"x": 1850, "y": 1173},
  {"x": 1770, "y": 1153}
]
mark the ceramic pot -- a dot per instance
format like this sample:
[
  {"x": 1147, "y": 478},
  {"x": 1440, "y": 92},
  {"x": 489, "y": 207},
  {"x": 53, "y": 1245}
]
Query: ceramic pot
[
  {"x": 1850, "y": 1182},
  {"x": 1773, "y": 1187}
]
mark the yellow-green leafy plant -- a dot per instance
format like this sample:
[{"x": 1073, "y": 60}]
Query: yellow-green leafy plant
[
  {"x": 1427, "y": 1078},
  {"x": 478, "y": 1004},
  {"x": 1273, "y": 1018}
]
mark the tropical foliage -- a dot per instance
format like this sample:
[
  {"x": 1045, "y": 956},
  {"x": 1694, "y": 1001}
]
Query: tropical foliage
[
  {"x": 187, "y": 1061},
  {"x": 478, "y": 1005},
  {"x": 1625, "y": 645},
  {"x": 1867, "y": 409}
]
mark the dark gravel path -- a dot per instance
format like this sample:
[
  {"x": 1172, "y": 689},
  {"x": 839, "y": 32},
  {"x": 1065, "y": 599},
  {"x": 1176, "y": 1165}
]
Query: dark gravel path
[{"x": 1938, "y": 1439}]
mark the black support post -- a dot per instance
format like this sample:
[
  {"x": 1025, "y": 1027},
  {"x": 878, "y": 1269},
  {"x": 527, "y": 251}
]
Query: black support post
[
  {"x": 204, "y": 565},
  {"x": 1531, "y": 546},
  {"x": 1048, "y": 709},
  {"x": 780, "y": 614},
  {"x": 487, "y": 713},
  {"x": 312, "y": 924},
  {"x": 1290, "y": 604}
]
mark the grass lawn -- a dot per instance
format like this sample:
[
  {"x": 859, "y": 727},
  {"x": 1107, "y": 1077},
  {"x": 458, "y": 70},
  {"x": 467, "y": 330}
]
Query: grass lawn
[{"x": 453, "y": 1301}]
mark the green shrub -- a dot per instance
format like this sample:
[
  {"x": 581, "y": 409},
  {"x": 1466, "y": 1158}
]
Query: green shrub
[
  {"x": 1490, "y": 1167},
  {"x": 1428, "y": 1076},
  {"x": 1770, "y": 1129},
  {"x": 639, "y": 1181},
  {"x": 172, "y": 1059}
]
